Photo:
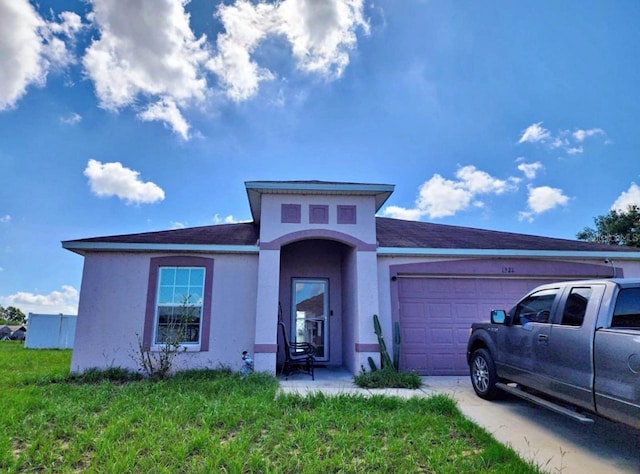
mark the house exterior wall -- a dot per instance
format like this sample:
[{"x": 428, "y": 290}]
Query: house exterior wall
[
  {"x": 349, "y": 309},
  {"x": 112, "y": 307},
  {"x": 266, "y": 311},
  {"x": 366, "y": 304},
  {"x": 272, "y": 227}
]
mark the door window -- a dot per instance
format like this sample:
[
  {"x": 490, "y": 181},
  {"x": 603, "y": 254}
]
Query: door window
[
  {"x": 309, "y": 314},
  {"x": 536, "y": 308}
]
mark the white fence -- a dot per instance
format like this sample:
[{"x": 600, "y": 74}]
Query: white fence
[{"x": 50, "y": 331}]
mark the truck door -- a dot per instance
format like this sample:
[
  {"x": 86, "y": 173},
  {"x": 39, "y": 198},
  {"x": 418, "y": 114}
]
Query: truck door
[
  {"x": 526, "y": 337},
  {"x": 617, "y": 359},
  {"x": 567, "y": 365}
]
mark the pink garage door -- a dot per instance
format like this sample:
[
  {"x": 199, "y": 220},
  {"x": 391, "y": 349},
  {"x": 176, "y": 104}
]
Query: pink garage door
[{"x": 436, "y": 313}]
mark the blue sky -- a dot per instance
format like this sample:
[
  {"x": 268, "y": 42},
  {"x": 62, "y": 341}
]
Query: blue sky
[{"x": 120, "y": 117}]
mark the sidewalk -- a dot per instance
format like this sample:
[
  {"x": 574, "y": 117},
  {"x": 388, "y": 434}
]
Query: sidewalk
[{"x": 556, "y": 443}]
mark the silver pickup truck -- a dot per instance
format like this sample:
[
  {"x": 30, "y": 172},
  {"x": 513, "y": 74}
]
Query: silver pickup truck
[{"x": 573, "y": 347}]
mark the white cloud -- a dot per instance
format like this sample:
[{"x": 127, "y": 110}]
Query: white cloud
[
  {"x": 145, "y": 49},
  {"x": 30, "y": 48},
  {"x": 71, "y": 119},
  {"x": 481, "y": 182},
  {"x": 225, "y": 220},
  {"x": 65, "y": 301},
  {"x": 440, "y": 197},
  {"x": 144, "y": 55},
  {"x": 559, "y": 141},
  {"x": 570, "y": 143},
  {"x": 246, "y": 25},
  {"x": 113, "y": 179},
  {"x": 5, "y": 219},
  {"x": 321, "y": 35},
  {"x": 21, "y": 61},
  {"x": 55, "y": 49},
  {"x": 575, "y": 150},
  {"x": 177, "y": 225},
  {"x": 580, "y": 135},
  {"x": 398, "y": 212},
  {"x": 534, "y": 133},
  {"x": 69, "y": 26},
  {"x": 530, "y": 170},
  {"x": 167, "y": 111},
  {"x": 542, "y": 199},
  {"x": 627, "y": 198}
]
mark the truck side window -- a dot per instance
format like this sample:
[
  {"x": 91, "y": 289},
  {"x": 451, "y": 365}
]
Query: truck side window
[
  {"x": 576, "y": 307},
  {"x": 536, "y": 308},
  {"x": 627, "y": 311}
]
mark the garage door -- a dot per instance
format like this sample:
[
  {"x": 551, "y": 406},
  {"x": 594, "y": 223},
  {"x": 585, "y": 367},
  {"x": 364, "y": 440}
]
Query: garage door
[{"x": 435, "y": 315}]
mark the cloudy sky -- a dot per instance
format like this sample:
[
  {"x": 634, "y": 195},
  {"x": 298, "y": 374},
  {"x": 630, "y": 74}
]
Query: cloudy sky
[{"x": 132, "y": 116}]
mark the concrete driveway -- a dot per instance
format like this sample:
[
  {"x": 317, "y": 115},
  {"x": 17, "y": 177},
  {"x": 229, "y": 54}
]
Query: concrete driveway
[{"x": 556, "y": 443}]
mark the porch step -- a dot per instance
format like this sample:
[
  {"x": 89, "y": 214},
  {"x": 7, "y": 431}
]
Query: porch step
[{"x": 518, "y": 392}]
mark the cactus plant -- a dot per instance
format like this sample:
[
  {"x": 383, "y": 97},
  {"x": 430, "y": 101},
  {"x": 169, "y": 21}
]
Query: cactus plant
[
  {"x": 384, "y": 354},
  {"x": 372, "y": 364},
  {"x": 396, "y": 345}
]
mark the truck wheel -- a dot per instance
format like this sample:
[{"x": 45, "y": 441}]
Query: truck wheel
[{"x": 483, "y": 375}]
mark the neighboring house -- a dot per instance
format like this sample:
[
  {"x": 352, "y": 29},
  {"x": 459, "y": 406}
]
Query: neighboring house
[
  {"x": 5, "y": 333},
  {"x": 12, "y": 332},
  {"x": 51, "y": 331},
  {"x": 317, "y": 256}
]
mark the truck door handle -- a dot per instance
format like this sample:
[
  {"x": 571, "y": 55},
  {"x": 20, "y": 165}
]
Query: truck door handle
[{"x": 543, "y": 338}]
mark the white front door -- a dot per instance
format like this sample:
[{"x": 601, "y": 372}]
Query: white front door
[{"x": 310, "y": 314}]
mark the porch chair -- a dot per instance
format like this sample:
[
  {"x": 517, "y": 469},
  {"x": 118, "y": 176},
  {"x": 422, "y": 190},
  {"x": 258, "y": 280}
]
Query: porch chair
[{"x": 298, "y": 356}]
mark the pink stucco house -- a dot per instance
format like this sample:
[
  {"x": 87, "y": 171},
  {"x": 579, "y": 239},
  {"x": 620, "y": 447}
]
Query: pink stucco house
[{"x": 316, "y": 256}]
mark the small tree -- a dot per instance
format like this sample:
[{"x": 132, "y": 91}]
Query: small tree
[
  {"x": 12, "y": 315},
  {"x": 157, "y": 364},
  {"x": 615, "y": 228}
]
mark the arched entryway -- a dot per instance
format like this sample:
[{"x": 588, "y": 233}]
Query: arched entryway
[{"x": 314, "y": 295}]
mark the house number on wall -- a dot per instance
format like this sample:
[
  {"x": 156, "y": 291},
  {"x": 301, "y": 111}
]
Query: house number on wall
[{"x": 508, "y": 270}]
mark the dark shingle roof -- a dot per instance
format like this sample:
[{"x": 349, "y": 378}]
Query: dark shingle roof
[
  {"x": 393, "y": 233},
  {"x": 245, "y": 233},
  {"x": 413, "y": 234}
]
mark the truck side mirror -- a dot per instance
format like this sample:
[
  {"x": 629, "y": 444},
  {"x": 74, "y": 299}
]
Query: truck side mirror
[{"x": 498, "y": 316}]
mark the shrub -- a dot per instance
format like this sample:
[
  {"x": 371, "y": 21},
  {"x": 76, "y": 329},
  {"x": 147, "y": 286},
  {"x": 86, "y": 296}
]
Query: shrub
[
  {"x": 157, "y": 364},
  {"x": 387, "y": 377}
]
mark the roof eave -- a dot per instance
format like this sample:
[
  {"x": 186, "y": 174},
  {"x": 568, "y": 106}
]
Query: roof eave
[
  {"x": 82, "y": 248},
  {"x": 442, "y": 252}
]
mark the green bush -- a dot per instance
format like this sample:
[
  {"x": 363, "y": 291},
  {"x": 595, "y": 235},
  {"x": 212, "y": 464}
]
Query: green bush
[{"x": 387, "y": 377}]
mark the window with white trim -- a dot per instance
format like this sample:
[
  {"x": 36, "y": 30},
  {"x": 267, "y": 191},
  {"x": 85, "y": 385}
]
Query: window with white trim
[
  {"x": 179, "y": 304},
  {"x": 172, "y": 280}
]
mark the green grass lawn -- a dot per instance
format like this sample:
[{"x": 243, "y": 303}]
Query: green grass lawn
[{"x": 214, "y": 421}]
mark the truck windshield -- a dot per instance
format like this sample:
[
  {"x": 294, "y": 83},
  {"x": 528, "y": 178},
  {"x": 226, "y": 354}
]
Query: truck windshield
[{"x": 627, "y": 311}]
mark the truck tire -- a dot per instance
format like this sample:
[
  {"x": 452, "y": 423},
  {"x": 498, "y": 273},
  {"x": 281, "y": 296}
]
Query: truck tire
[{"x": 483, "y": 375}]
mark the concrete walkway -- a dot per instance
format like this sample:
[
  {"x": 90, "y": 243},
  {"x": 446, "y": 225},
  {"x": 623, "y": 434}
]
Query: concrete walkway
[{"x": 556, "y": 443}]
